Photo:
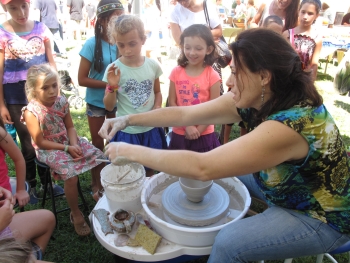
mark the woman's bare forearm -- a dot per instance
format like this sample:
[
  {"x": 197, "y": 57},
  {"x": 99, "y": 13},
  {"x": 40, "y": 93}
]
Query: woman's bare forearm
[{"x": 212, "y": 112}]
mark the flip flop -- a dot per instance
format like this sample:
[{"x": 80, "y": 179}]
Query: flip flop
[{"x": 82, "y": 228}]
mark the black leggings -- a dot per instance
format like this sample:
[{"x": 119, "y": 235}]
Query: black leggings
[{"x": 28, "y": 151}]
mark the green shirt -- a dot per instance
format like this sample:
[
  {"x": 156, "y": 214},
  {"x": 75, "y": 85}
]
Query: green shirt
[
  {"x": 319, "y": 185},
  {"x": 136, "y": 90}
]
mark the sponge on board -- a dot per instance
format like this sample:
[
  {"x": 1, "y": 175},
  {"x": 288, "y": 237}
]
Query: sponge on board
[{"x": 148, "y": 239}]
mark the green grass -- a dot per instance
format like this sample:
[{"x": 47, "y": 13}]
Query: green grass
[{"x": 69, "y": 247}]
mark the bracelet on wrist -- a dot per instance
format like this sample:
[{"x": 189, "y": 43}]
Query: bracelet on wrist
[
  {"x": 66, "y": 148},
  {"x": 111, "y": 89}
]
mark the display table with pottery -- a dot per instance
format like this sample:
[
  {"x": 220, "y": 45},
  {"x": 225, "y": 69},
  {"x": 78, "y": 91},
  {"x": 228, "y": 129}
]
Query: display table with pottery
[{"x": 177, "y": 239}]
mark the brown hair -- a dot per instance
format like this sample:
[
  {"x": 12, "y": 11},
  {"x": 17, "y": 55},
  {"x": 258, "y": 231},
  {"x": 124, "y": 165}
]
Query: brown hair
[
  {"x": 202, "y": 32},
  {"x": 124, "y": 24},
  {"x": 291, "y": 19},
  {"x": 261, "y": 49}
]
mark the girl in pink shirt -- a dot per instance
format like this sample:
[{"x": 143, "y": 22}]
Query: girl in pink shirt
[{"x": 192, "y": 82}]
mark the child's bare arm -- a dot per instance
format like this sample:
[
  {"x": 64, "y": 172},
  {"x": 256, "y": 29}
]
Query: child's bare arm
[
  {"x": 36, "y": 134},
  {"x": 315, "y": 57},
  {"x": 157, "y": 95},
  {"x": 72, "y": 133},
  {"x": 113, "y": 79},
  {"x": 214, "y": 93},
  {"x": 9, "y": 146},
  {"x": 172, "y": 95},
  {"x": 83, "y": 76},
  {"x": 3, "y": 109},
  {"x": 48, "y": 52},
  {"x": 74, "y": 148},
  {"x": 110, "y": 100}
]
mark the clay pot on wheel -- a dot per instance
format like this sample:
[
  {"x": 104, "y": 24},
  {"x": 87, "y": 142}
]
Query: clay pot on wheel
[{"x": 195, "y": 190}]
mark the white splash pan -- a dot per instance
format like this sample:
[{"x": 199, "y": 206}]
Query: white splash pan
[{"x": 193, "y": 236}]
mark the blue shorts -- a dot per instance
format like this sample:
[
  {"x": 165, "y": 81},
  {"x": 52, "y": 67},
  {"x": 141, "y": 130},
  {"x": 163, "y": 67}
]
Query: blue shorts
[
  {"x": 94, "y": 111},
  {"x": 154, "y": 138}
]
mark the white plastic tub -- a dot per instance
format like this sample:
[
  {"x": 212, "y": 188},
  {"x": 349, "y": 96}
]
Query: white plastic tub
[{"x": 185, "y": 235}]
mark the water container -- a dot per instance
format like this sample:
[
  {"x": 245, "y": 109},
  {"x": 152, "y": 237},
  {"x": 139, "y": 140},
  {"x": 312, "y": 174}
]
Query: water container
[
  {"x": 10, "y": 128},
  {"x": 126, "y": 193}
]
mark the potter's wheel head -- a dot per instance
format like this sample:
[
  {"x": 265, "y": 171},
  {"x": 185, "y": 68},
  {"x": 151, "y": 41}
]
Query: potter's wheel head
[{"x": 210, "y": 210}]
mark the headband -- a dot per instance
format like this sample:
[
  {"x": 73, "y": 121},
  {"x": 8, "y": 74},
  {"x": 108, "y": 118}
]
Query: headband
[
  {"x": 318, "y": 2},
  {"x": 5, "y": 2},
  {"x": 109, "y": 7}
]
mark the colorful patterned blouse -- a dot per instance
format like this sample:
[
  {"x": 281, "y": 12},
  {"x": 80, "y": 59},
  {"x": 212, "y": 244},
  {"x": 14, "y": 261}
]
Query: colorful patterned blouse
[
  {"x": 319, "y": 185},
  {"x": 23, "y": 51}
]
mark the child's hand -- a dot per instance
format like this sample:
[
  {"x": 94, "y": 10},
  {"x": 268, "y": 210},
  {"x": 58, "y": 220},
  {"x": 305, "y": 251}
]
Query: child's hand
[
  {"x": 5, "y": 115},
  {"x": 22, "y": 197},
  {"x": 111, "y": 126},
  {"x": 112, "y": 78},
  {"x": 75, "y": 151},
  {"x": 192, "y": 133},
  {"x": 6, "y": 195},
  {"x": 6, "y": 213}
]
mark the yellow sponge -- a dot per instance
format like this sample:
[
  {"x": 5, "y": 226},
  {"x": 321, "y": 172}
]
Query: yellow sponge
[{"x": 148, "y": 239}]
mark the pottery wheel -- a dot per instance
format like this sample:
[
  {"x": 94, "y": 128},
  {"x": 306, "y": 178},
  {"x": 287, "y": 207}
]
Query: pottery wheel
[{"x": 210, "y": 210}]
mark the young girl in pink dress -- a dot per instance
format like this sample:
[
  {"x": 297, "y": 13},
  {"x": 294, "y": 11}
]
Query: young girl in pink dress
[
  {"x": 55, "y": 139},
  {"x": 305, "y": 39},
  {"x": 192, "y": 82}
]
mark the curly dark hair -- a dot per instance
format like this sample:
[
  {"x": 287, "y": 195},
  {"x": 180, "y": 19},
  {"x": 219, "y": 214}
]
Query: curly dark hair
[
  {"x": 261, "y": 49},
  {"x": 204, "y": 33}
]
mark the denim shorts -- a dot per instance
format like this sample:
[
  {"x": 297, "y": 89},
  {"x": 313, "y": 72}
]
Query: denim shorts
[{"x": 94, "y": 111}]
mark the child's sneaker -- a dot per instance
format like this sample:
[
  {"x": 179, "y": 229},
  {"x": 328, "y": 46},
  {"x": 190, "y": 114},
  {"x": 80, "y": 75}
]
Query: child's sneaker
[
  {"x": 33, "y": 197},
  {"x": 57, "y": 190}
]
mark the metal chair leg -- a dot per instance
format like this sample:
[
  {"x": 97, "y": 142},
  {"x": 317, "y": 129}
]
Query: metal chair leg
[
  {"x": 45, "y": 188},
  {"x": 52, "y": 197},
  {"x": 48, "y": 183}
]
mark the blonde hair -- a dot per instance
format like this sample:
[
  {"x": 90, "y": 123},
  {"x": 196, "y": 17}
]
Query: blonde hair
[
  {"x": 32, "y": 75},
  {"x": 13, "y": 250},
  {"x": 124, "y": 24}
]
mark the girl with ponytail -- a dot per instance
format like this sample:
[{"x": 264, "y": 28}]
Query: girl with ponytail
[{"x": 96, "y": 54}]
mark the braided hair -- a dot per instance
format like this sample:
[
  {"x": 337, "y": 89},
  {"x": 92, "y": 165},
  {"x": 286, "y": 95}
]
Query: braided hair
[{"x": 98, "y": 54}]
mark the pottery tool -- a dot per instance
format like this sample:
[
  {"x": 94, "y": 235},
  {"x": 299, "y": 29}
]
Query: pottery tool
[
  {"x": 123, "y": 175},
  {"x": 103, "y": 160}
]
